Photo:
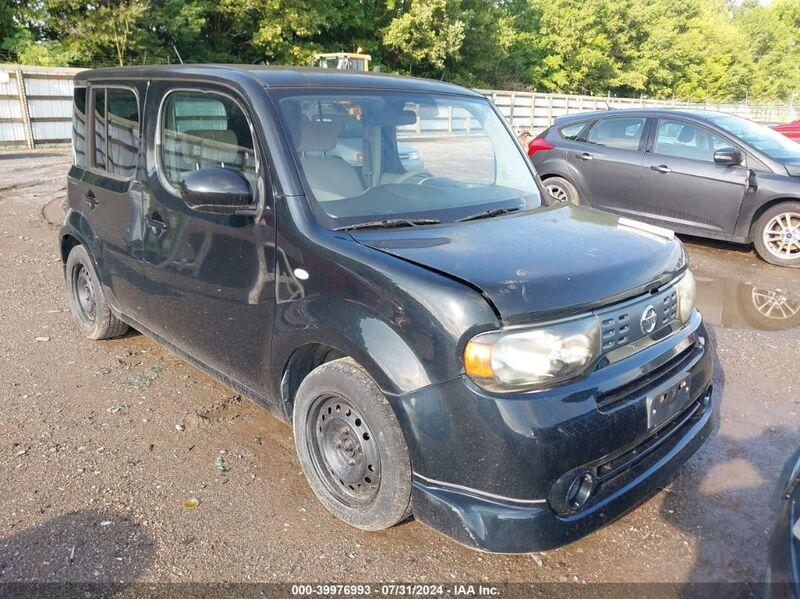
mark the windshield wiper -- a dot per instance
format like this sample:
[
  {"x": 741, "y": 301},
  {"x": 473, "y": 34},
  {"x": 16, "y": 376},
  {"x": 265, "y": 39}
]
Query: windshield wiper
[
  {"x": 390, "y": 223},
  {"x": 488, "y": 213}
]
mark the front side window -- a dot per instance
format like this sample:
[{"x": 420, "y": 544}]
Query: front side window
[
  {"x": 79, "y": 126},
  {"x": 370, "y": 156},
  {"x": 766, "y": 140},
  {"x": 685, "y": 140},
  {"x": 622, "y": 133},
  {"x": 199, "y": 130}
]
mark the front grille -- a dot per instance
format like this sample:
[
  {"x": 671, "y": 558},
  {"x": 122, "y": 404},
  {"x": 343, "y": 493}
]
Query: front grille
[{"x": 621, "y": 326}]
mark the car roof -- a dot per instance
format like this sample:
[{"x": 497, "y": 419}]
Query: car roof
[
  {"x": 275, "y": 77},
  {"x": 702, "y": 115}
]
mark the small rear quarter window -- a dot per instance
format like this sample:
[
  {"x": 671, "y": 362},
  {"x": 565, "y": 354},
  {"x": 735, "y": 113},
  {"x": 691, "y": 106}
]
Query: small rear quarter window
[
  {"x": 79, "y": 126},
  {"x": 572, "y": 130}
]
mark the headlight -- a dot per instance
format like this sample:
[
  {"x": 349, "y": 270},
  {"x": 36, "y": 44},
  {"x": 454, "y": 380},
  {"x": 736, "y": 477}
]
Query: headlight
[
  {"x": 413, "y": 156},
  {"x": 685, "y": 289},
  {"x": 532, "y": 358}
]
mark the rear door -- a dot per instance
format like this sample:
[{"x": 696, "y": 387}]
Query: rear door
[
  {"x": 111, "y": 190},
  {"x": 211, "y": 276},
  {"x": 610, "y": 162},
  {"x": 682, "y": 186}
]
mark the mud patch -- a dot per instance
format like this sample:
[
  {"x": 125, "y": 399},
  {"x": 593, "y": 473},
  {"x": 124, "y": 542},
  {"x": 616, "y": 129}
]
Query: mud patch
[{"x": 54, "y": 211}]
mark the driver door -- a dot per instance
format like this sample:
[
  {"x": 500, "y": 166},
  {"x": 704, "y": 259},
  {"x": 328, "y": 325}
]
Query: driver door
[{"x": 212, "y": 276}]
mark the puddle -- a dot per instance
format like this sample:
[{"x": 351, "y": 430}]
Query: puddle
[{"x": 735, "y": 304}]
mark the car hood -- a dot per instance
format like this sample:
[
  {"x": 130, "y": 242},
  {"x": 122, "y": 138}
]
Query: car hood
[{"x": 552, "y": 261}]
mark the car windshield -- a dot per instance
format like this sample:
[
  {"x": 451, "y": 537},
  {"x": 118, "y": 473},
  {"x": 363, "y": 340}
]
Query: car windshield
[
  {"x": 765, "y": 140},
  {"x": 412, "y": 158}
]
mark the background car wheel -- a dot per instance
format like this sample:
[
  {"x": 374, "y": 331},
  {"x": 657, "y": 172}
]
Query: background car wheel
[
  {"x": 86, "y": 300},
  {"x": 562, "y": 190},
  {"x": 776, "y": 234},
  {"x": 351, "y": 447}
]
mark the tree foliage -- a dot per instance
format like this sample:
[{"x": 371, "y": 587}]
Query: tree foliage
[{"x": 715, "y": 50}]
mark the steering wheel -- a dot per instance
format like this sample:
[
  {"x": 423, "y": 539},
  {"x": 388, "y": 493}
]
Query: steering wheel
[{"x": 421, "y": 174}]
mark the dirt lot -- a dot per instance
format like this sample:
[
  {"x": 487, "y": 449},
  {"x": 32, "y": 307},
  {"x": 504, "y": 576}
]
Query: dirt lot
[{"x": 102, "y": 442}]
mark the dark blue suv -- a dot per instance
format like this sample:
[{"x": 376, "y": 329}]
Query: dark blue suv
[{"x": 444, "y": 342}]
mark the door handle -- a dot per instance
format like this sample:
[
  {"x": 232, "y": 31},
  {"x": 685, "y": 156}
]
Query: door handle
[
  {"x": 89, "y": 198},
  {"x": 156, "y": 224},
  {"x": 661, "y": 168},
  {"x": 583, "y": 156}
]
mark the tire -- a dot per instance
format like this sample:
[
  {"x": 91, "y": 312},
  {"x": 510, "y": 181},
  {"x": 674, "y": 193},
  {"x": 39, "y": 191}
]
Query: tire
[
  {"x": 351, "y": 447},
  {"x": 87, "y": 302},
  {"x": 561, "y": 190},
  {"x": 776, "y": 235}
]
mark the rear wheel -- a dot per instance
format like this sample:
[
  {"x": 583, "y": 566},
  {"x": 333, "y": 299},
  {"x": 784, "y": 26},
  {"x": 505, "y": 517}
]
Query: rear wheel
[
  {"x": 776, "y": 234},
  {"x": 562, "y": 190},
  {"x": 87, "y": 302},
  {"x": 351, "y": 447}
]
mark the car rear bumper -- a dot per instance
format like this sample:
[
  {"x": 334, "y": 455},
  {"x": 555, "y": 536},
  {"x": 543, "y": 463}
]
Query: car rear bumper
[{"x": 493, "y": 472}]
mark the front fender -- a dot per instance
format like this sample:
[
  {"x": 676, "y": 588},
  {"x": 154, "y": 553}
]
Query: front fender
[{"x": 358, "y": 332}]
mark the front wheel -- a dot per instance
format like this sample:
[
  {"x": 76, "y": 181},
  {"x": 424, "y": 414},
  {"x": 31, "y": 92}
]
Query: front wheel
[
  {"x": 562, "y": 190},
  {"x": 776, "y": 235},
  {"x": 351, "y": 447}
]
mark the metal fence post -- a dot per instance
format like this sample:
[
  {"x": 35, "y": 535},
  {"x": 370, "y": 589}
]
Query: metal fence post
[{"x": 23, "y": 107}]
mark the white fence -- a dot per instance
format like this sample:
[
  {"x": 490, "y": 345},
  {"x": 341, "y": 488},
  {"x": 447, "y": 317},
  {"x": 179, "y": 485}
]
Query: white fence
[
  {"x": 535, "y": 111},
  {"x": 36, "y": 107}
]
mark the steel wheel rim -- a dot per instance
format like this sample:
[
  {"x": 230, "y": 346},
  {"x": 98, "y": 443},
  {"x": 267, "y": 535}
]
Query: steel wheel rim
[
  {"x": 782, "y": 235},
  {"x": 557, "y": 192},
  {"x": 774, "y": 304},
  {"x": 344, "y": 451},
  {"x": 84, "y": 295}
]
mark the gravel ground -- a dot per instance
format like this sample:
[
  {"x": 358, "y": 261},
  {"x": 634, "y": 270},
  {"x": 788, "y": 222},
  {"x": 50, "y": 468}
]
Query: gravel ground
[{"x": 101, "y": 443}]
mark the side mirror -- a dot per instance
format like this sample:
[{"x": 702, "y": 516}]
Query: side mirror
[
  {"x": 216, "y": 189},
  {"x": 728, "y": 156}
]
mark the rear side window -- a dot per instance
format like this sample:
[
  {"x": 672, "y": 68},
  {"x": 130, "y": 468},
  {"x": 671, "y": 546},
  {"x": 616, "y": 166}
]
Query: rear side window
[
  {"x": 572, "y": 131},
  {"x": 79, "y": 126},
  {"x": 622, "y": 133},
  {"x": 685, "y": 140},
  {"x": 116, "y": 131},
  {"x": 99, "y": 104},
  {"x": 204, "y": 129}
]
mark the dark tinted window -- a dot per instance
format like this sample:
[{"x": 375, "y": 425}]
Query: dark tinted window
[
  {"x": 79, "y": 126},
  {"x": 123, "y": 132},
  {"x": 685, "y": 140},
  {"x": 572, "y": 131},
  {"x": 99, "y": 103},
  {"x": 200, "y": 130},
  {"x": 623, "y": 133}
]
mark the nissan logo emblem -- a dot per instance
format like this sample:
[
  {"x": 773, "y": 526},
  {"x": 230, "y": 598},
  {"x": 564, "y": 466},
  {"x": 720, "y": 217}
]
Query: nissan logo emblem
[{"x": 648, "y": 320}]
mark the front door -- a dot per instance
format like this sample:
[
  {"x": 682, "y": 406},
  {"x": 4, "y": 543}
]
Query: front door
[
  {"x": 610, "y": 162},
  {"x": 682, "y": 187},
  {"x": 212, "y": 276},
  {"x": 111, "y": 192}
]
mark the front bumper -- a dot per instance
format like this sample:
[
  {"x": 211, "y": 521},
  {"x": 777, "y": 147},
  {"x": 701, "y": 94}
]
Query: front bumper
[{"x": 491, "y": 471}]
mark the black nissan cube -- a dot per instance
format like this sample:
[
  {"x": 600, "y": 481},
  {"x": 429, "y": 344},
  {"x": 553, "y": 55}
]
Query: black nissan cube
[{"x": 444, "y": 343}]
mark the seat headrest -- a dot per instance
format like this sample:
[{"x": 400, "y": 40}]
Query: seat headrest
[
  {"x": 686, "y": 135},
  {"x": 316, "y": 136}
]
